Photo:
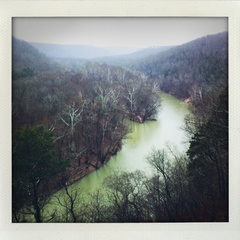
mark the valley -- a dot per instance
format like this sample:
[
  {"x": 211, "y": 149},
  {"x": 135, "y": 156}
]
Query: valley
[{"x": 119, "y": 125}]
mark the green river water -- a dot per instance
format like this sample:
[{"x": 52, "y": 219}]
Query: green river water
[{"x": 139, "y": 143}]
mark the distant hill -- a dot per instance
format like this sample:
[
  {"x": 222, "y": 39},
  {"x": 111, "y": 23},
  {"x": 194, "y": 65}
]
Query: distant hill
[
  {"x": 126, "y": 60},
  {"x": 122, "y": 50},
  {"x": 79, "y": 51},
  {"x": 149, "y": 51}
]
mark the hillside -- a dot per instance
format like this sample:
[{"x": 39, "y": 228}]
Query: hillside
[
  {"x": 201, "y": 63},
  {"x": 27, "y": 60}
]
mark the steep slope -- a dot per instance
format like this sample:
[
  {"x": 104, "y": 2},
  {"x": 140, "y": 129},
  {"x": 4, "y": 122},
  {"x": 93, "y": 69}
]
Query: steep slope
[
  {"x": 201, "y": 63},
  {"x": 26, "y": 59}
]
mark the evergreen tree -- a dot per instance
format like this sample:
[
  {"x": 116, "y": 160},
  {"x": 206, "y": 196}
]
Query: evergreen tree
[{"x": 33, "y": 162}]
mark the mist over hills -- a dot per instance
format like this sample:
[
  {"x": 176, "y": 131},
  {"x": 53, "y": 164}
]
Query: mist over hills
[
  {"x": 80, "y": 51},
  {"x": 202, "y": 62},
  {"x": 100, "y": 54},
  {"x": 127, "y": 59},
  {"x": 117, "y": 56}
]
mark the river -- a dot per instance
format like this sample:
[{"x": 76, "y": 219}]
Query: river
[{"x": 167, "y": 130}]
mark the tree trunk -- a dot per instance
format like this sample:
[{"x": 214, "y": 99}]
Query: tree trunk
[{"x": 36, "y": 205}]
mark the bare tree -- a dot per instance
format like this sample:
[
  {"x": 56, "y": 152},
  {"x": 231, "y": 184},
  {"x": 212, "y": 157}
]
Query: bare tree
[{"x": 70, "y": 201}]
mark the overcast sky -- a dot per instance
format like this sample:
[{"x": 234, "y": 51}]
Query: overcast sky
[{"x": 125, "y": 32}]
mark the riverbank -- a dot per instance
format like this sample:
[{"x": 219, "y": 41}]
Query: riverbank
[
  {"x": 74, "y": 173},
  {"x": 80, "y": 169},
  {"x": 139, "y": 144}
]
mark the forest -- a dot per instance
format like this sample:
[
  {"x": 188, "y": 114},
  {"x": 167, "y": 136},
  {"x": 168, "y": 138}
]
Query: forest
[{"x": 70, "y": 116}]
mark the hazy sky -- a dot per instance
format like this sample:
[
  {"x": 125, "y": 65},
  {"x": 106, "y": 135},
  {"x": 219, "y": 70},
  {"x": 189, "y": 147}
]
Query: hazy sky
[{"x": 125, "y": 32}]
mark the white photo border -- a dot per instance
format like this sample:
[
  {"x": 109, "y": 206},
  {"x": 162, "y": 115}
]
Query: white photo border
[{"x": 10, "y": 9}]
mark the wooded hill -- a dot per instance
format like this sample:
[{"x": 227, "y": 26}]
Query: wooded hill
[
  {"x": 187, "y": 71},
  {"x": 180, "y": 70},
  {"x": 199, "y": 64}
]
